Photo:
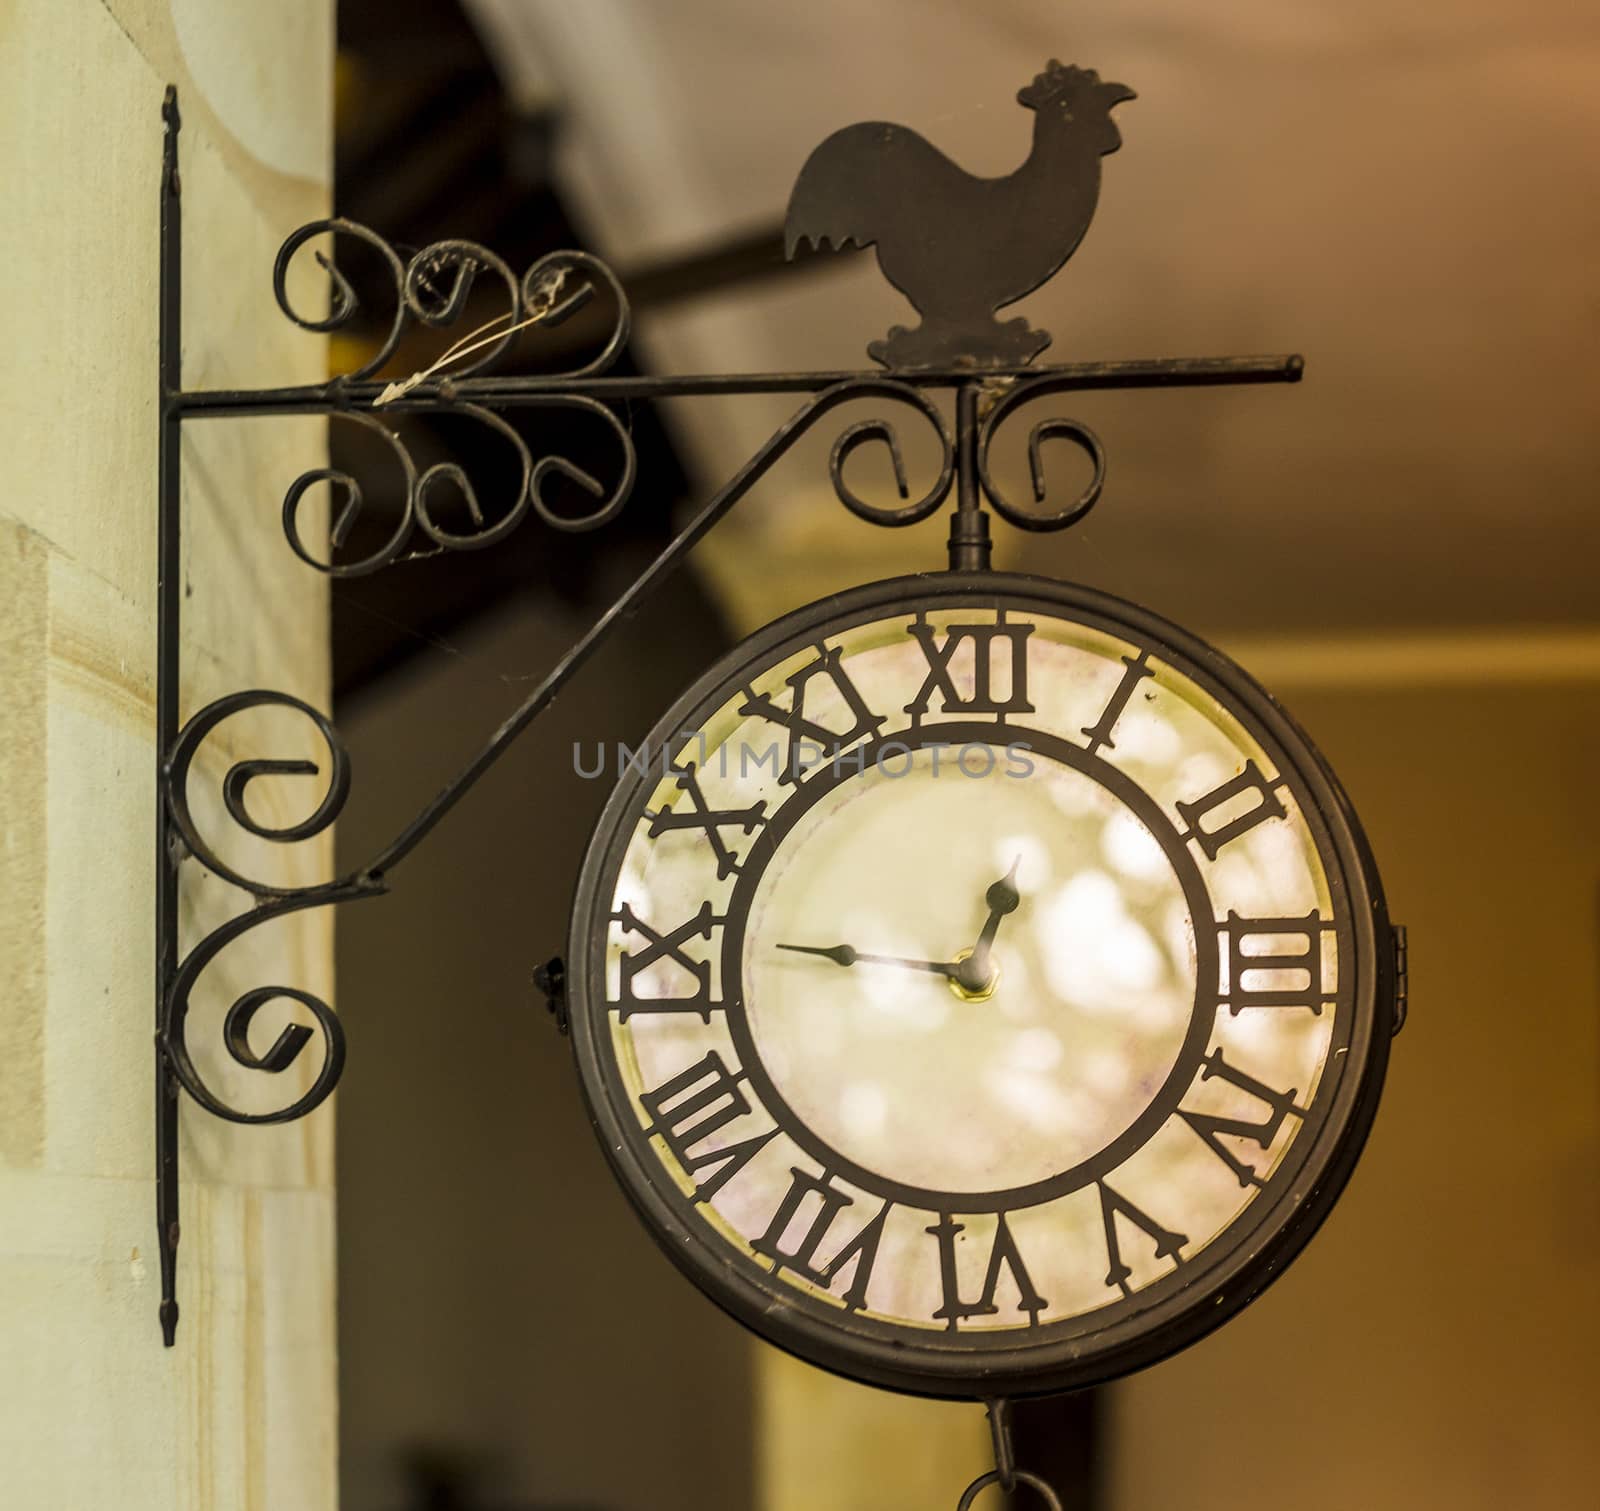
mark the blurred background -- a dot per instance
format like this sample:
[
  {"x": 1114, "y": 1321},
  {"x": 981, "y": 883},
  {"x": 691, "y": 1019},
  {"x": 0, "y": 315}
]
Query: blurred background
[{"x": 1404, "y": 548}]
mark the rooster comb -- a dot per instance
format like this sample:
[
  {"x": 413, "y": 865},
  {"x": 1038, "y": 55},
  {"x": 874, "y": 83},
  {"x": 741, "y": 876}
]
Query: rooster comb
[{"x": 1059, "y": 77}]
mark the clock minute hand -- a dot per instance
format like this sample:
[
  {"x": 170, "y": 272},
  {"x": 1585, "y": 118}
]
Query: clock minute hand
[
  {"x": 1002, "y": 898},
  {"x": 844, "y": 954}
]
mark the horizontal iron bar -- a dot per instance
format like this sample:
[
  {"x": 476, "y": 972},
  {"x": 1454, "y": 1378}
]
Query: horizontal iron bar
[{"x": 1171, "y": 372}]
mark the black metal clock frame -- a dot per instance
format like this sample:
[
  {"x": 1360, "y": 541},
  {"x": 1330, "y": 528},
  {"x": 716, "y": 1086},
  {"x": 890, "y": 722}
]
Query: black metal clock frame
[
  {"x": 987, "y": 390},
  {"x": 1161, "y": 1317}
]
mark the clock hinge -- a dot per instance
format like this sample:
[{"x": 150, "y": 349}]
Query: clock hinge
[
  {"x": 551, "y": 979},
  {"x": 1402, "y": 978}
]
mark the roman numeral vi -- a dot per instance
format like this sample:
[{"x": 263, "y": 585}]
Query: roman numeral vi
[{"x": 1003, "y": 1256}]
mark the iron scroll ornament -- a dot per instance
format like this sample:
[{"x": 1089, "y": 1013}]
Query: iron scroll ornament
[{"x": 431, "y": 289}]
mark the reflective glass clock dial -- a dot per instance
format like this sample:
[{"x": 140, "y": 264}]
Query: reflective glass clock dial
[{"x": 973, "y": 979}]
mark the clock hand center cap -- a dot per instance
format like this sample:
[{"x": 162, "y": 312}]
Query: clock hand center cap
[{"x": 968, "y": 985}]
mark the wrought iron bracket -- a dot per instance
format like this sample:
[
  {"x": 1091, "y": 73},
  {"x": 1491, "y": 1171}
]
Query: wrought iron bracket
[{"x": 965, "y": 352}]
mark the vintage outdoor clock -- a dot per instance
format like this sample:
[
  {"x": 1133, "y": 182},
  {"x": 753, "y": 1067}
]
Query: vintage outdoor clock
[
  {"x": 986, "y": 989},
  {"x": 980, "y": 986}
]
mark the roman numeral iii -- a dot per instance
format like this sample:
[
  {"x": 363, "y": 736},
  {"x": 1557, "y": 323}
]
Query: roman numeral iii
[{"x": 1281, "y": 976}]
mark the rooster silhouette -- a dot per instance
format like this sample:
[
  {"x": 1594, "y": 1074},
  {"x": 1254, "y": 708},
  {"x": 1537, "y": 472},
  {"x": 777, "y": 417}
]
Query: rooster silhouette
[{"x": 960, "y": 247}]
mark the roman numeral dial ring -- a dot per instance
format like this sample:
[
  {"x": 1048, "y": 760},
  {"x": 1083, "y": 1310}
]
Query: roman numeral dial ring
[{"x": 988, "y": 992}]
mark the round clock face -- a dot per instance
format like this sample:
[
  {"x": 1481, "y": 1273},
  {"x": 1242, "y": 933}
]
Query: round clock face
[{"x": 979, "y": 985}]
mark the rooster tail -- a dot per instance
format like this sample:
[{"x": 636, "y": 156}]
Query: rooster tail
[{"x": 841, "y": 187}]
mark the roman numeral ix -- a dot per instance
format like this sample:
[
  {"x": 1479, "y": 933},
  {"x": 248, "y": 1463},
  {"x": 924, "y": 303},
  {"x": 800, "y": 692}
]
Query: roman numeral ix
[{"x": 668, "y": 946}]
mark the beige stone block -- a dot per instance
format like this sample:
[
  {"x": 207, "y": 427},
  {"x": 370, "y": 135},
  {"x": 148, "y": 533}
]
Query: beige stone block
[
  {"x": 98, "y": 926},
  {"x": 242, "y": 1414},
  {"x": 293, "y": 1236},
  {"x": 79, "y": 393},
  {"x": 76, "y": 1313},
  {"x": 93, "y": 1411},
  {"x": 24, "y": 867}
]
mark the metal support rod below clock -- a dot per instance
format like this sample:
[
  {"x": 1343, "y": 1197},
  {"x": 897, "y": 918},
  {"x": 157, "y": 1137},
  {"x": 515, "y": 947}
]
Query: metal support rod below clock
[
  {"x": 1005, "y": 1476},
  {"x": 1005, "y": 1457},
  {"x": 986, "y": 391}
]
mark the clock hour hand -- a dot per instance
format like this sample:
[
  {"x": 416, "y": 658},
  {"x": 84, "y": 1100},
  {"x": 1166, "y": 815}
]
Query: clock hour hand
[
  {"x": 1002, "y": 898},
  {"x": 844, "y": 954}
]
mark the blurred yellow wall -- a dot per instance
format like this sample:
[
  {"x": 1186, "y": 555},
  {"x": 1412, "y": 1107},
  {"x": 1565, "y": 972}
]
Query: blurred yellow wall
[{"x": 1436, "y": 1345}]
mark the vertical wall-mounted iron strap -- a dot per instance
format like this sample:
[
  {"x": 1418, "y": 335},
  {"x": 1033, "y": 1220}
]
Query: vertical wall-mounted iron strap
[{"x": 169, "y": 606}]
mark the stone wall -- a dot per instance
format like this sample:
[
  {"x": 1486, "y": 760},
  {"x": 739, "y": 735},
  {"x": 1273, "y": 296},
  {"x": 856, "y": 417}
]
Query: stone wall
[{"x": 94, "y": 1411}]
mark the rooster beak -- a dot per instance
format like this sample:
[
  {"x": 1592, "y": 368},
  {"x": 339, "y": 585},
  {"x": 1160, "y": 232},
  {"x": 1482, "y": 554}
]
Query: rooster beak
[{"x": 1115, "y": 94}]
